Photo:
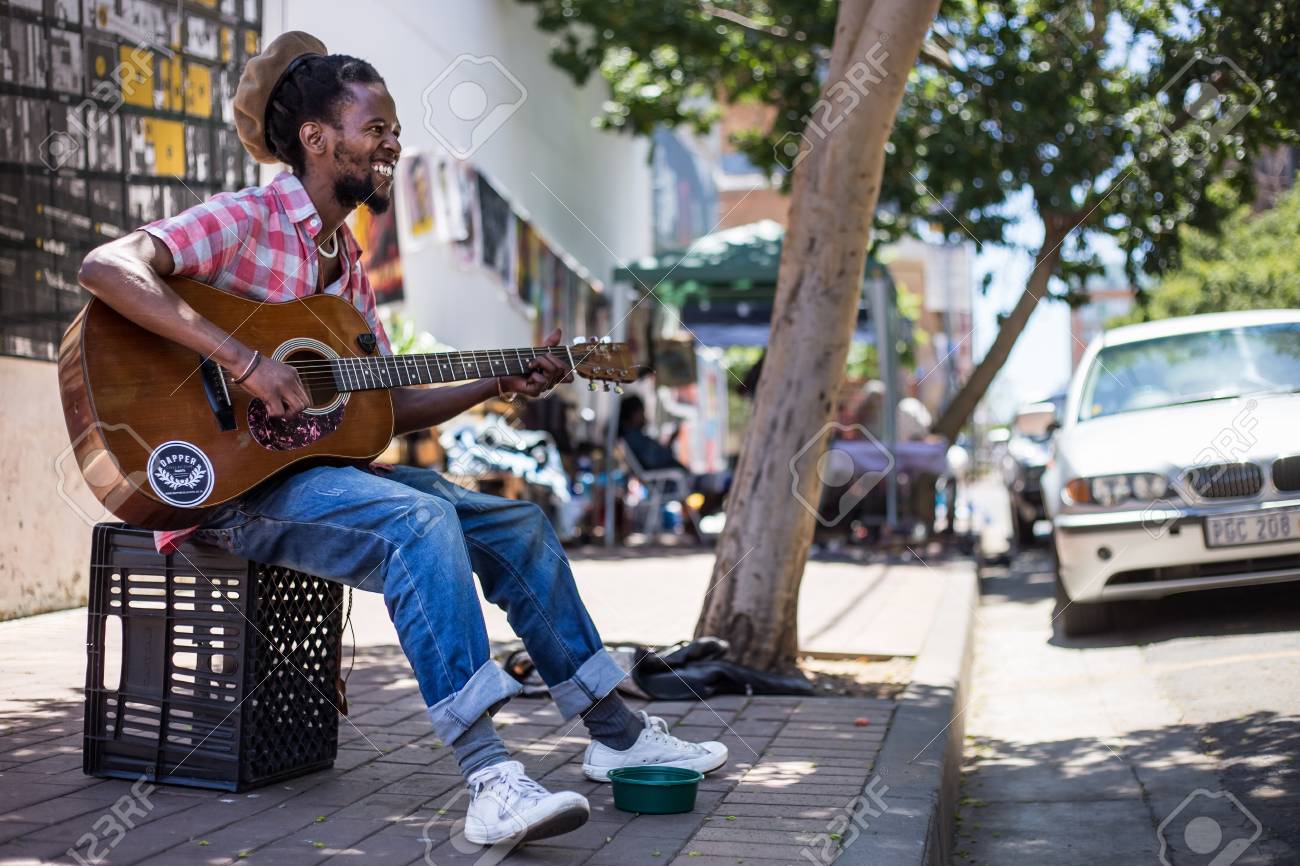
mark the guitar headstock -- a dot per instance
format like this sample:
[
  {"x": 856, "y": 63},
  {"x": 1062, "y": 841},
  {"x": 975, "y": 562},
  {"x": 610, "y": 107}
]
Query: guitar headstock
[{"x": 603, "y": 362}]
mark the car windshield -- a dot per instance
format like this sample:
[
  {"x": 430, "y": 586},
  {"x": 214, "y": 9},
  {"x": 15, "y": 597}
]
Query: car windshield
[{"x": 1191, "y": 368}]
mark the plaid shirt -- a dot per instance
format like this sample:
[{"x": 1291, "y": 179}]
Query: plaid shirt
[{"x": 261, "y": 243}]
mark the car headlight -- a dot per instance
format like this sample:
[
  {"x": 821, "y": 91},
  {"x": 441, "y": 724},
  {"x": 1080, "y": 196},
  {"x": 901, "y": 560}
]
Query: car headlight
[{"x": 1111, "y": 490}]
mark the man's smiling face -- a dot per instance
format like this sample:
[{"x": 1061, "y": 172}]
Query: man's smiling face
[{"x": 365, "y": 147}]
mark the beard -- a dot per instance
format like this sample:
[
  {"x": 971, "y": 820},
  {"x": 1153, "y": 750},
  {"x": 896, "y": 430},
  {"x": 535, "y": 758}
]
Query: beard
[{"x": 354, "y": 184}]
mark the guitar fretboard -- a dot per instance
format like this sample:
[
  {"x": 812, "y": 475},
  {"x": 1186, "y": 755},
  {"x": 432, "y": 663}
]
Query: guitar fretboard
[{"x": 396, "y": 371}]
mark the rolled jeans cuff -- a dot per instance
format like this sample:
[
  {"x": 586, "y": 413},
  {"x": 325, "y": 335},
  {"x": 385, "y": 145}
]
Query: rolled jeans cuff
[
  {"x": 486, "y": 691},
  {"x": 596, "y": 678}
]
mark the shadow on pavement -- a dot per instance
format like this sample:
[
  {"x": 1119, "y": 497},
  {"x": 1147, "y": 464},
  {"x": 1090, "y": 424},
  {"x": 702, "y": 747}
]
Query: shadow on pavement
[
  {"x": 1072, "y": 801},
  {"x": 1026, "y": 576}
]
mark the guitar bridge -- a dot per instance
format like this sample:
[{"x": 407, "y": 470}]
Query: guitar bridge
[{"x": 214, "y": 386}]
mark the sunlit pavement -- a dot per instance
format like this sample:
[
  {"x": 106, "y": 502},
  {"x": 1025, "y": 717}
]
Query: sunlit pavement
[
  {"x": 1174, "y": 738},
  {"x": 797, "y": 768},
  {"x": 394, "y": 796}
]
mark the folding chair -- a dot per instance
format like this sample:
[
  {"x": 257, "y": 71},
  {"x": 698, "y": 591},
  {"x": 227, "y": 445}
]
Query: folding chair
[{"x": 662, "y": 485}]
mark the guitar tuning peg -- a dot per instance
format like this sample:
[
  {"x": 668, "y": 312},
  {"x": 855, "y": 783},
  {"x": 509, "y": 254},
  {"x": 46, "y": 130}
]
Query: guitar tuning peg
[
  {"x": 607, "y": 339},
  {"x": 591, "y": 386},
  {"x": 578, "y": 341},
  {"x": 618, "y": 389}
]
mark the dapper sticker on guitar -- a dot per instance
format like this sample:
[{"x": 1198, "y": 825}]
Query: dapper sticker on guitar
[{"x": 180, "y": 473}]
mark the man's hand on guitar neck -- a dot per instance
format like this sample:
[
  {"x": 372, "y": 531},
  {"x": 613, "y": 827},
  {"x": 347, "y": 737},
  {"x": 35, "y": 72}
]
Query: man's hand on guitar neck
[
  {"x": 421, "y": 408},
  {"x": 548, "y": 371}
]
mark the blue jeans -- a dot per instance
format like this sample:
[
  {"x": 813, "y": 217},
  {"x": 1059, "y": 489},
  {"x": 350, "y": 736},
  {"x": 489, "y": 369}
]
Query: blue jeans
[{"x": 419, "y": 539}]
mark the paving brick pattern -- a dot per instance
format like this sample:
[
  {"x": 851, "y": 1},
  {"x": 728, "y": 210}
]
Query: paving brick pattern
[{"x": 394, "y": 793}]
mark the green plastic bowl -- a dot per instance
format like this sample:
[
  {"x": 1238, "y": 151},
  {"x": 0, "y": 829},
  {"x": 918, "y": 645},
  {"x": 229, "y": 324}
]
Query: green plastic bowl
[{"x": 655, "y": 790}]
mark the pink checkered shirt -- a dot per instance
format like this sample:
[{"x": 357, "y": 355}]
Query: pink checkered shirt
[{"x": 261, "y": 243}]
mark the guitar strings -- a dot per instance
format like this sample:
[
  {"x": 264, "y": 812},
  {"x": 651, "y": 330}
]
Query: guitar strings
[
  {"x": 332, "y": 381},
  {"x": 488, "y": 355},
  {"x": 398, "y": 362},
  {"x": 325, "y": 371},
  {"x": 328, "y": 371}
]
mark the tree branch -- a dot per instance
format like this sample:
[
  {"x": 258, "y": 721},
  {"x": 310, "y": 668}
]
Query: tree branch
[
  {"x": 936, "y": 56},
  {"x": 1099, "y": 23},
  {"x": 753, "y": 25}
]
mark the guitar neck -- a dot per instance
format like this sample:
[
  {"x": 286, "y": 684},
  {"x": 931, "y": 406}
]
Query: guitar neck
[{"x": 395, "y": 371}]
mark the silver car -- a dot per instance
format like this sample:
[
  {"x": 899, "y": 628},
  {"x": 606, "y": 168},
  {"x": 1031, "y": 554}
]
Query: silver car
[
  {"x": 1177, "y": 463},
  {"x": 1024, "y": 461}
]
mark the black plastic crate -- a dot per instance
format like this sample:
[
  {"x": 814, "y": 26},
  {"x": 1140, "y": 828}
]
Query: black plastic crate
[{"x": 228, "y": 668}]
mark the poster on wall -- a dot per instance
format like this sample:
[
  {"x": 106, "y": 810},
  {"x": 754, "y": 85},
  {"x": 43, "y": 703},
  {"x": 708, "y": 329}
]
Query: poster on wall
[
  {"x": 564, "y": 310},
  {"x": 448, "y": 208},
  {"x": 417, "y": 193},
  {"x": 703, "y": 443},
  {"x": 448, "y": 200},
  {"x": 527, "y": 272},
  {"x": 469, "y": 246},
  {"x": 544, "y": 299},
  {"x": 674, "y": 361},
  {"x": 499, "y": 248},
  {"x": 550, "y": 274},
  {"x": 380, "y": 256},
  {"x": 598, "y": 317}
]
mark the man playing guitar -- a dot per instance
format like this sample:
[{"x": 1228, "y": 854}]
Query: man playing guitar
[{"x": 405, "y": 532}]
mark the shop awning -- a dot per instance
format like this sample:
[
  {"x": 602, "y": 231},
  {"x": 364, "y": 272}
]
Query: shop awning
[{"x": 724, "y": 284}]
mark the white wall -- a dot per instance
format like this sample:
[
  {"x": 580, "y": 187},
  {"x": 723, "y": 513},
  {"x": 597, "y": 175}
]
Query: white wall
[
  {"x": 45, "y": 542},
  {"x": 600, "y": 179}
]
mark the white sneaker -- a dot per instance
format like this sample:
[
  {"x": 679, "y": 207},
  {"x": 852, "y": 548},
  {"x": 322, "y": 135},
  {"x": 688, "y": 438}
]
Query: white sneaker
[
  {"x": 654, "y": 748},
  {"x": 507, "y": 804}
]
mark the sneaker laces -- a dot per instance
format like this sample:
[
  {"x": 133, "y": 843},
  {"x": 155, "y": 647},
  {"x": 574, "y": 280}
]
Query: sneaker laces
[
  {"x": 509, "y": 785},
  {"x": 657, "y": 732}
]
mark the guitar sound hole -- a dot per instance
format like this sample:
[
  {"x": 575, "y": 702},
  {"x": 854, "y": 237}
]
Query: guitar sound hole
[{"x": 313, "y": 369}]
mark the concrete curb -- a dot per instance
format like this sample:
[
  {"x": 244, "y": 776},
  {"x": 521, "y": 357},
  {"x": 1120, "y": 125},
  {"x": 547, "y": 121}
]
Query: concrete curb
[{"x": 920, "y": 758}]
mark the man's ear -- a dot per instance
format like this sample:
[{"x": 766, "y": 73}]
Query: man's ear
[{"x": 312, "y": 137}]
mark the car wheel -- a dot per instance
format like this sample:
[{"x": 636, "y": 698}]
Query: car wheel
[{"x": 1079, "y": 618}]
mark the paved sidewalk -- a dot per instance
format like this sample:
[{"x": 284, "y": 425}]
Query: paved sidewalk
[
  {"x": 1172, "y": 739},
  {"x": 394, "y": 794}
]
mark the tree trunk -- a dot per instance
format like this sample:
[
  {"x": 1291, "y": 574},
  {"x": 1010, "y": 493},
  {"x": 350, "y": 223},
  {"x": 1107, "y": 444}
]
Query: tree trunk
[
  {"x": 753, "y": 596},
  {"x": 962, "y": 406}
]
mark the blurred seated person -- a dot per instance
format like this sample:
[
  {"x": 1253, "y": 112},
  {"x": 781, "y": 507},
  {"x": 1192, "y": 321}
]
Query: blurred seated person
[
  {"x": 918, "y": 456},
  {"x": 649, "y": 452},
  {"x": 654, "y": 455},
  {"x": 911, "y": 422}
]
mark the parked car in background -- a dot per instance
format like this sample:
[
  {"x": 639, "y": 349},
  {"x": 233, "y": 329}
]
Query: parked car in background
[
  {"x": 1023, "y": 462},
  {"x": 1177, "y": 464}
]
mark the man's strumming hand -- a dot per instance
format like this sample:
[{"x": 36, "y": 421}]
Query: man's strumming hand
[{"x": 278, "y": 386}]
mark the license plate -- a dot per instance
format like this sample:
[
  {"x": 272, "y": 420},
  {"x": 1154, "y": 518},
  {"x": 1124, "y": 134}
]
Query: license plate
[{"x": 1258, "y": 527}]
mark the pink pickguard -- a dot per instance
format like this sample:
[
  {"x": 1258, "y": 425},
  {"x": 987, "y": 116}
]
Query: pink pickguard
[{"x": 279, "y": 434}]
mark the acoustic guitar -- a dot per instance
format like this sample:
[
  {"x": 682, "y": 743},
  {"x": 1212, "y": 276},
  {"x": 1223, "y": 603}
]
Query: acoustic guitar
[{"x": 163, "y": 436}]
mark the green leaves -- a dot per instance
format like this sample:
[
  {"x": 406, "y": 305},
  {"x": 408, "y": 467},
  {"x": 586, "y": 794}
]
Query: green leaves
[
  {"x": 1074, "y": 103},
  {"x": 1254, "y": 264}
]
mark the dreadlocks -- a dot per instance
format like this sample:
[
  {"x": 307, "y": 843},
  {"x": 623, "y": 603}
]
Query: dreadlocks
[{"x": 314, "y": 89}]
